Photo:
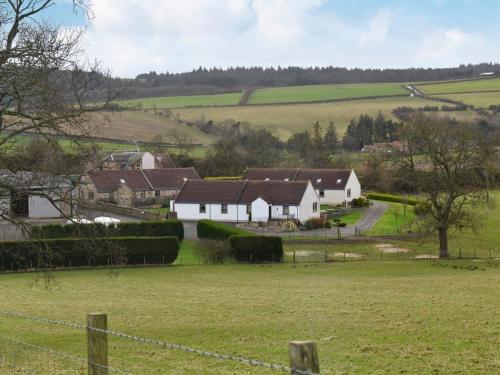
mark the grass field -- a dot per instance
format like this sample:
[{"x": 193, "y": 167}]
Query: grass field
[
  {"x": 353, "y": 217},
  {"x": 394, "y": 217},
  {"x": 492, "y": 84},
  {"x": 367, "y": 317},
  {"x": 324, "y": 92},
  {"x": 284, "y": 120},
  {"x": 478, "y": 100},
  {"x": 185, "y": 101}
]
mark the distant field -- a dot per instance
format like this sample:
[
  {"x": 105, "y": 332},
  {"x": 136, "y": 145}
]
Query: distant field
[
  {"x": 324, "y": 92},
  {"x": 284, "y": 120},
  {"x": 479, "y": 99},
  {"x": 186, "y": 101},
  {"x": 144, "y": 126},
  {"x": 492, "y": 84}
]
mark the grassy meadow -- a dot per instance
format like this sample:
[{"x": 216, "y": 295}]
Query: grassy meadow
[
  {"x": 185, "y": 101},
  {"x": 488, "y": 84},
  {"x": 284, "y": 120},
  {"x": 324, "y": 92},
  {"x": 478, "y": 99},
  {"x": 366, "y": 317}
]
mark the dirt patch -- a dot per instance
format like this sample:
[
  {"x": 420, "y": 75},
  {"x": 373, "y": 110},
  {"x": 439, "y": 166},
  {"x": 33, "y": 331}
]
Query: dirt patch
[
  {"x": 391, "y": 249},
  {"x": 347, "y": 255},
  {"x": 426, "y": 256}
]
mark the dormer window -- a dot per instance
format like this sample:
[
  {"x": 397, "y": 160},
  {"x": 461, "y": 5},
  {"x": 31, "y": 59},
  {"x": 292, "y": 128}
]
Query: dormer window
[
  {"x": 185, "y": 178},
  {"x": 287, "y": 179},
  {"x": 318, "y": 180},
  {"x": 339, "y": 181},
  {"x": 266, "y": 179}
]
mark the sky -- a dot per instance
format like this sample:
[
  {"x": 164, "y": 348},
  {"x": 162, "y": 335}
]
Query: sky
[{"x": 130, "y": 37}]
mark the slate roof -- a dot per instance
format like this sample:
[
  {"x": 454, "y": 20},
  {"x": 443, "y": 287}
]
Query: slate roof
[
  {"x": 107, "y": 181},
  {"x": 242, "y": 192},
  {"x": 330, "y": 179}
]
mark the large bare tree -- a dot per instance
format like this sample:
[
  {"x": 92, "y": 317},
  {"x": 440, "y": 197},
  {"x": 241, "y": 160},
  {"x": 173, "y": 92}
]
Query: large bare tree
[
  {"x": 47, "y": 91},
  {"x": 444, "y": 160}
]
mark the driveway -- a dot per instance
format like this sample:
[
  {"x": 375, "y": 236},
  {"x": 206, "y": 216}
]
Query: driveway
[{"x": 190, "y": 232}]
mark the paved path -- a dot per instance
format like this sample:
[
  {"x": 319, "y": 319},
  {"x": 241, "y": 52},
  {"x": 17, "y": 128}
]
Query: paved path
[{"x": 190, "y": 232}]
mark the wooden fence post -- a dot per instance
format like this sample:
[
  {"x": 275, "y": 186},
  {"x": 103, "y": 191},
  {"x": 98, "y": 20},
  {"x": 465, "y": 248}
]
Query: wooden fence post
[
  {"x": 303, "y": 357},
  {"x": 97, "y": 344}
]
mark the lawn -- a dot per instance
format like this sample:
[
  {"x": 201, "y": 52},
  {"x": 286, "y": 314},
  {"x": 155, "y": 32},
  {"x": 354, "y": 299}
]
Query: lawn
[
  {"x": 284, "y": 120},
  {"x": 324, "y": 92},
  {"x": 366, "y": 317},
  {"x": 163, "y": 211},
  {"x": 185, "y": 101},
  {"x": 353, "y": 217},
  {"x": 490, "y": 84},
  {"x": 396, "y": 217}
]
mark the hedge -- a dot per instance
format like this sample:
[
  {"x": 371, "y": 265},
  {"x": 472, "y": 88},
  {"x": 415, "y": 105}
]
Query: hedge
[
  {"x": 218, "y": 231},
  {"x": 77, "y": 252},
  {"x": 163, "y": 228},
  {"x": 392, "y": 198},
  {"x": 257, "y": 248}
]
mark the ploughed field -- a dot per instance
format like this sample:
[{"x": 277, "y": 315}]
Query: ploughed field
[{"x": 366, "y": 317}]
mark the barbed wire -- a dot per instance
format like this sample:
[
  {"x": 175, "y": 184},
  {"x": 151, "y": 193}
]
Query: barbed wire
[
  {"x": 68, "y": 356},
  {"x": 163, "y": 344}
]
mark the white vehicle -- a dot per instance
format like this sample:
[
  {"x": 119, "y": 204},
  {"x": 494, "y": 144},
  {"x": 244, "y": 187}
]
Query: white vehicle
[
  {"x": 106, "y": 220},
  {"x": 79, "y": 221}
]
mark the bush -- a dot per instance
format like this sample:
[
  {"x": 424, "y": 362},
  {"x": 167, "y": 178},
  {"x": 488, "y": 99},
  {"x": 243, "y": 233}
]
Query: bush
[
  {"x": 257, "y": 248},
  {"x": 315, "y": 223},
  {"x": 309, "y": 225},
  {"x": 392, "y": 198},
  {"x": 214, "y": 251},
  {"x": 360, "y": 202},
  {"x": 87, "y": 251},
  {"x": 328, "y": 225},
  {"x": 423, "y": 208},
  {"x": 288, "y": 226},
  {"x": 162, "y": 228},
  {"x": 218, "y": 231},
  {"x": 341, "y": 224},
  {"x": 165, "y": 203}
]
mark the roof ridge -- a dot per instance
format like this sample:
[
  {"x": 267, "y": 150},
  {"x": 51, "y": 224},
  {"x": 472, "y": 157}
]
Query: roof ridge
[
  {"x": 238, "y": 198},
  {"x": 297, "y": 171},
  {"x": 146, "y": 178}
]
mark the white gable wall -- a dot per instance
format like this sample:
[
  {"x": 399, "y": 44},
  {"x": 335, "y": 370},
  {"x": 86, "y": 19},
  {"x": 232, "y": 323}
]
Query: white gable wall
[
  {"x": 148, "y": 161},
  {"x": 340, "y": 196},
  {"x": 354, "y": 185},
  {"x": 260, "y": 210},
  {"x": 306, "y": 204}
]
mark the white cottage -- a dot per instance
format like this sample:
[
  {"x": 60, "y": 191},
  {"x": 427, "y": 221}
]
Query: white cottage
[
  {"x": 333, "y": 186},
  {"x": 242, "y": 201}
]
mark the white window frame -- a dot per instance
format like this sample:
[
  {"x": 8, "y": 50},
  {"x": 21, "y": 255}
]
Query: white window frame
[
  {"x": 224, "y": 209},
  {"x": 202, "y": 208},
  {"x": 286, "y": 210}
]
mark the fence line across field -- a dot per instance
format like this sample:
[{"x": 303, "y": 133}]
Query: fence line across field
[{"x": 310, "y": 348}]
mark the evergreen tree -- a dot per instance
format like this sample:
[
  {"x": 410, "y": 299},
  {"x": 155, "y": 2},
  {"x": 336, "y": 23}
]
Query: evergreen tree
[
  {"x": 331, "y": 141},
  {"x": 379, "y": 128}
]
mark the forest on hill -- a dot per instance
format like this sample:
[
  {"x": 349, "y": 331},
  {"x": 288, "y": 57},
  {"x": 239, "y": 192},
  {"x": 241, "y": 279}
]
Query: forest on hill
[{"x": 217, "y": 80}]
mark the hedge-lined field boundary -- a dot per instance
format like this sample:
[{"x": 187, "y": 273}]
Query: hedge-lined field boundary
[
  {"x": 79, "y": 252},
  {"x": 392, "y": 198},
  {"x": 218, "y": 231},
  {"x": 160, "y": 228},
  {"x": 257, "y": 248}
]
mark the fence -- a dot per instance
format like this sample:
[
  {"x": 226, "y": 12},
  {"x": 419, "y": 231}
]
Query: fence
[{"x": 19, "y": 356}]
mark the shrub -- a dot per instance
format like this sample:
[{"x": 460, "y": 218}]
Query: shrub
[
  {"x": 360, "y": 202},
  {"x": 214, "y": 251},
  {"x": 257, "y": 248},
  {"x": 341, "y": 224},
  {"x": 165, "y": 203},
  {"x": 218, "y": 231},
  {"x": 328, "y": 225},
  {"x": 288, "y": 226},
  {"x": 87, "y": 251},
  {"x": 315, "y": 223},
  {"x": 161, "y": 228},
  {"x": 422, "y": 208},
  {"x": 392, "y": 198},
  {"x": 309, "y": 225}
]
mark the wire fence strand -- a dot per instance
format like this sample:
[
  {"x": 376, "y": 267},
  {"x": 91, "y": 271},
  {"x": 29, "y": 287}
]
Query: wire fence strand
[{"x": 160, "y": 343}]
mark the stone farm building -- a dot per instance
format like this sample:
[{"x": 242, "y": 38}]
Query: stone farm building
[
  {"x": 333, "y": 186},
  {"x": 135, "y": 186},
  {"x": 242, "y": 201},
  {"x": 136, "y": 160}
]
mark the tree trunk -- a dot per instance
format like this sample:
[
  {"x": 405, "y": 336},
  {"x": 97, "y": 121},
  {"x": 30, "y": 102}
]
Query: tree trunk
[{"x": 443, "y": 242}]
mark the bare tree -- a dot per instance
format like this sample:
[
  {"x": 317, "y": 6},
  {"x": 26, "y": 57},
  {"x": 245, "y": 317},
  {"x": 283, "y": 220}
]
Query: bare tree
[
  {"x": 48, "y": 93},
  {"x": 443, "y": 160},
  {"x": 182, "y": 140}
]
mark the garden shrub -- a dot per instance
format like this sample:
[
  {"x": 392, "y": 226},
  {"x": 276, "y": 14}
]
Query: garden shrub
[
  {"x": 392, "y": 198},
  {"x": 79, "y": 252},
  {"x": 328, "y": 225},
  {"x": 360, "y": 202},
  {"x": 257, "y": 248},
  {"x": 218, "y": 231},
  {"x": 315, "y": 223}
]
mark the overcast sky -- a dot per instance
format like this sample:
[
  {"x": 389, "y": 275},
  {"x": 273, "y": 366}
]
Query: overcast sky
[{"x": 135, "y": 36}]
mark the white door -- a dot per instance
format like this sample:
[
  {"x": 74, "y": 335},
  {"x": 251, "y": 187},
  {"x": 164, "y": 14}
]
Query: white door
[{"x": 41, "y": 207}]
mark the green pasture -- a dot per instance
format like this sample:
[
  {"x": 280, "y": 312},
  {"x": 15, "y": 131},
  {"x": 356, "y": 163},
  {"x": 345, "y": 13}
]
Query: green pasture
[
  {"x": 324, "y": 92},
  {"x": 478, "y": 100},
  {"x": 490, "y": 84},
  {"x": 185, "y": 101}
]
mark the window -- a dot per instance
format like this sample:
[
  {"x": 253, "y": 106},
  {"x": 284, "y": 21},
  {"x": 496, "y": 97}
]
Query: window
[
  {"x": 318, "y": 180},
  {"x": 315, "y": 206},
  {"x": 266, "y": 179},
  {"x": 249, "y": 209},
  {"x": 286, "y": 210},
  {"x": 223, "y": 208},
  {"x": 91, "y": 195},
  {"x": 143, "y": 194},
  {"x": 339, "y": 181},
  {"x": 203, "y": 208},
  {"x": 157, "y": 193},
  {"x": 348, "y": 193},
  {"x": 321, "y": 193}
]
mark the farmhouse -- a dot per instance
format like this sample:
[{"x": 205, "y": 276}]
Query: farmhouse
[
  {"x": 135, "y": 186},
  {"x": 333, "y": 186},
  {"x": 242, "y": 201},
  {"x": 36, "y": 195}
]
